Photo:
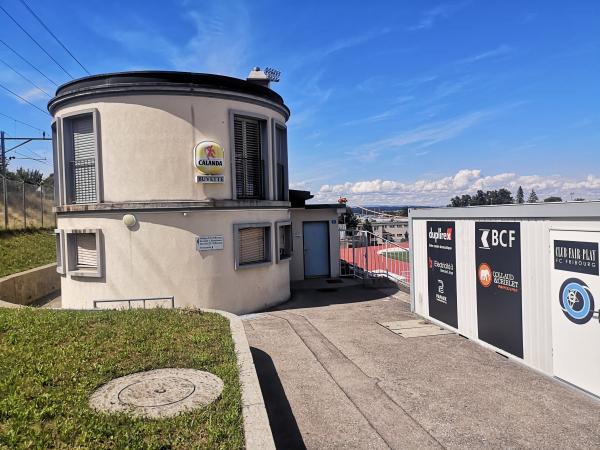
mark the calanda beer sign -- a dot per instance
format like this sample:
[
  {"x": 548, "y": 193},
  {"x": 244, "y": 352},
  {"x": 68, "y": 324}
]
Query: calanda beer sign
[{"x": 208, "y": 159}]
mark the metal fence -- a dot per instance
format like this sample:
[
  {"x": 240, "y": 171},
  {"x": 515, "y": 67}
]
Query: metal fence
[
  {"x": 366, "y": 255},
  {"x": 25, "y": 205}
]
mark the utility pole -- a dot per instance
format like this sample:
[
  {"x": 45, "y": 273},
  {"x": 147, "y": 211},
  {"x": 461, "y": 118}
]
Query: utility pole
[{"x": 4, "y": 193}]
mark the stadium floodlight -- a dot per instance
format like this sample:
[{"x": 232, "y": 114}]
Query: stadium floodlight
[{"x": 272, "y": 74}]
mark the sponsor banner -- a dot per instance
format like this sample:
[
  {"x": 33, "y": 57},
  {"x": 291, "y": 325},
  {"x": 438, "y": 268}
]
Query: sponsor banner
[
  {"x": 576, "y": 256},
  {"x": 499, "y": 290},
  {"x": 575, "y": 288},
  {"x": 441, "y": 262}
]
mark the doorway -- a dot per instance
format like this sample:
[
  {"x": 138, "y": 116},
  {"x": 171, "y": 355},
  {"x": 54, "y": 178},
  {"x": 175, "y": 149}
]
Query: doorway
[{"x": 316, "y": 249}]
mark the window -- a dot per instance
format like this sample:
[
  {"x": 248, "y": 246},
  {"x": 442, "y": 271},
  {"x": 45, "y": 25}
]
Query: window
[
  {"x": 249, "y": 152},
  {"x": 81, "y": 158},
  {"x": 252, "y": 244},
  {"x": 284, "y": 240},
  {"x": 83, "y": 248},
  {"x": 60, "y": 264},
  {"x": 281, "y": 164}
]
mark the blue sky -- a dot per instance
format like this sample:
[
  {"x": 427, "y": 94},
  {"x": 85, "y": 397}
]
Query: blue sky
[{"x": 392, "y": 103}]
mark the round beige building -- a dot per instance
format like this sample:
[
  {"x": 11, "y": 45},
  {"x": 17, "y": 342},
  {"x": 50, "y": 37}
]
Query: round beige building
[{"x": 172, "y": 189}]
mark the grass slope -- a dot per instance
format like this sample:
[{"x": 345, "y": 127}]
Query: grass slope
[
  {"x": 26, "y": 249},
  {"x": 52, "y": 361}
]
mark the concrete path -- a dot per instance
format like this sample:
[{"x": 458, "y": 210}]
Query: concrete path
[{"x": 332, "y": 377}]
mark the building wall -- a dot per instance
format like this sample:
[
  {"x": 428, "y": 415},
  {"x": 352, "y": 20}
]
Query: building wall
[
  {"x": 146, "y": 162},
  {"x": 158, "y": 258},
  {"x": 538, "y": 299},
  {"x": 147, "y": 144},
  {"x": 300, "y": 215}
]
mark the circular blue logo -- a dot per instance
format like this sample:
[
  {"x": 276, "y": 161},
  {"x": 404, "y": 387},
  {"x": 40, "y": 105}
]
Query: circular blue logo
[{"x": 576, "y": 301}]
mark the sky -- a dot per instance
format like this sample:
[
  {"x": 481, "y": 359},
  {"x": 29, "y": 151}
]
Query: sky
[{"x": 392, "y": 103}]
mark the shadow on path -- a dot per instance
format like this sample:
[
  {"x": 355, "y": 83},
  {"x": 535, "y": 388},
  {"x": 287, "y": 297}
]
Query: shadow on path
[
  {"x": 332, "y": 295},
  {"x": 283, "y": 423}
]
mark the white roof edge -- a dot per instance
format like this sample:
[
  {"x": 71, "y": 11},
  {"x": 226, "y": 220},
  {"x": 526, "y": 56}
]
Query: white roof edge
[{"x": 553, "y": 210}]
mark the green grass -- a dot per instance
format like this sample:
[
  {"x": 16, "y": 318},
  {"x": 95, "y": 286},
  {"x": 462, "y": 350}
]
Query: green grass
[
  {"x": 25, "y": 249},
  {"x": 52, "y": 361},
  {"x": 399, "y": 255}
]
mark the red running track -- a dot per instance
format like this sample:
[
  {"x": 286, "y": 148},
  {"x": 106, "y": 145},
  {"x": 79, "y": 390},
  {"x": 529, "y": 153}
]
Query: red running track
[{"x": 377, "y": 262}]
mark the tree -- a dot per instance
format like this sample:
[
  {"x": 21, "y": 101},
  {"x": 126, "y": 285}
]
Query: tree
[
  {"x": 498, "y": 197},
  {"x": 366, "y": 226},
  {"x": 520, "y": 195},
  {"x": 552, "y": 199},
  {"x": 533, "y": 198},
  {"x": 480, "y": 198},
  {"x": 48, "y": 182},
  {"x": 32, "y": 176},
  {"x": 350, "y": 219}
]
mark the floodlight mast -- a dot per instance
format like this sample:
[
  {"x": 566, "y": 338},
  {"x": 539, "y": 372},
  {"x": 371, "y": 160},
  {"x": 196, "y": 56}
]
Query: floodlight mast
[{"x": 272, "y": 74}]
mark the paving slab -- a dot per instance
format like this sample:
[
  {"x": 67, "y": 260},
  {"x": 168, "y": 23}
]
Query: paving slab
[{"x": 342, "y": 380}]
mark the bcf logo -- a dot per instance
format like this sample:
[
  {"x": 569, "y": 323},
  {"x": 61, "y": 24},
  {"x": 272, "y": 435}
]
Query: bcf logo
[{"x": 495, "y": 238}]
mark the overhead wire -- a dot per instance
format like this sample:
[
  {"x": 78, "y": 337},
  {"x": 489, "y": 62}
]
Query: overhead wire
[
  {"x": 24, "y": 77},
  {"x": 21, "y": 122},
  {"x": 54, "y": 36},
  {"x": 23, "y": 99},
  {"x": 28, "y": 63},
  {"x": 35, "y": 41}
]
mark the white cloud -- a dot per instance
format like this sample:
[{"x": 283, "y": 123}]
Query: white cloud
[
  {"x": 466, "y": 181},
  {"x": 498, "y": 52},
  {"x": 220, "y": 43},
  {"x": 33, "y": 94},
  {"x": 430, "y": 17},
  {"x": 423, "y": 136}
]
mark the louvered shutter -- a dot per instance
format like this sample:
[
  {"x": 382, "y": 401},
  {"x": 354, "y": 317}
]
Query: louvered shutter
[
  {"x": 86, "y": 251},
  {"x": 281, "y": 163},
  {"x": 252, "y": 245},
  {"x": 248, "y": 158},
  {"x": 84, "y": 159}
]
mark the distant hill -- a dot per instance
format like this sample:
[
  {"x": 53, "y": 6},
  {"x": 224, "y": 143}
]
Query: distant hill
[{"x": 388, "y": 208}]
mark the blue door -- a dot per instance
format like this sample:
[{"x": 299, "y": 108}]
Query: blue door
[{"x": 316, "y": 249}]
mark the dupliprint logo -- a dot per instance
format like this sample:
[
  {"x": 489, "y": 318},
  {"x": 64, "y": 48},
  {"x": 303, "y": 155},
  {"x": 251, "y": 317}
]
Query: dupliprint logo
[
  {"x": 576, "y": 301},
  {"x": 441, "y": 235},
  {"x": 484, "y": 274}
]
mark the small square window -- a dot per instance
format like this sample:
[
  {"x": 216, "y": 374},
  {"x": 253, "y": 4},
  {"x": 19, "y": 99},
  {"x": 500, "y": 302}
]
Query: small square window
[
  {"x": 84, "y": 253},
  {"x": 284, "y": 241},
  {"x": 252, "y": 244}
]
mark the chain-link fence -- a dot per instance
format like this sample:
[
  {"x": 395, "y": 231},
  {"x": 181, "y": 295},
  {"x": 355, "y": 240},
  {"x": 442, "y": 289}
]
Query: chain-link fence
[{"x": 25, "y": 205}]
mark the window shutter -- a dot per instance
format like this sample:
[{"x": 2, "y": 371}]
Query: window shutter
[
  {"x": 252, "y": 245},
  {"x": 281, "y": 162},
  {"x": 87, "y": 254},
  {"x": 84, "y": 159},
  {"x": 248, "y": 158}
]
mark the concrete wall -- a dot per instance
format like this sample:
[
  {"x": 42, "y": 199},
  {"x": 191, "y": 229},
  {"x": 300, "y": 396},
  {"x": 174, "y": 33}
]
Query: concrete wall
[
  {"x": 536, "y": 265},
  {"x": 158, "y": 258},
  {"x": 300, "y": 215},
  {"x": 147, "y": 144},
  {"x": 26, "y": 287}
]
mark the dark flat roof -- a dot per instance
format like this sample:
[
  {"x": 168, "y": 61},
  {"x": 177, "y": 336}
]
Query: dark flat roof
[{"x": 152, "y": 78}]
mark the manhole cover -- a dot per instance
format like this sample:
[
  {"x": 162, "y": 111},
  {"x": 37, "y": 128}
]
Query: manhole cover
[{"x": 158, "y": 393}]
